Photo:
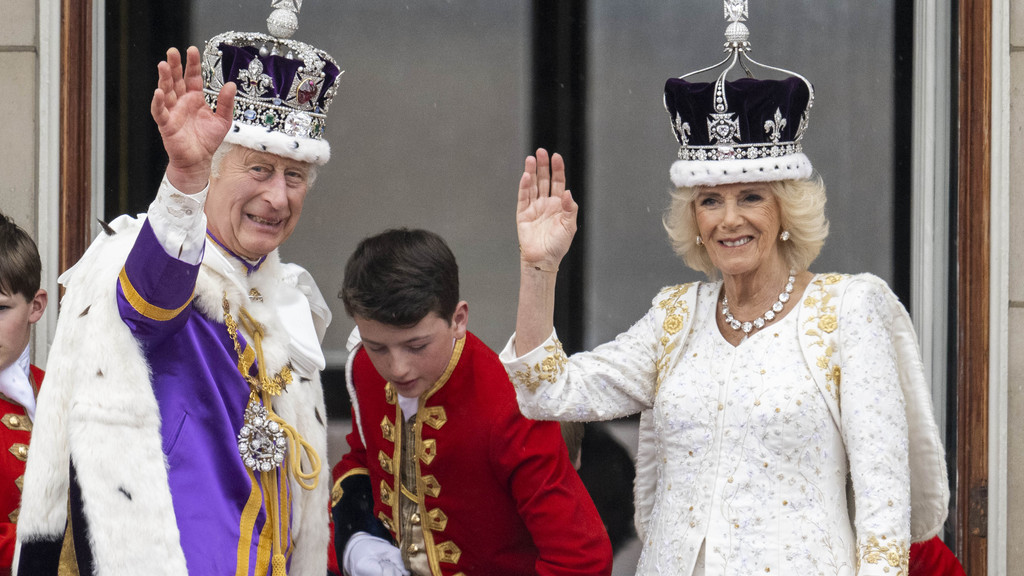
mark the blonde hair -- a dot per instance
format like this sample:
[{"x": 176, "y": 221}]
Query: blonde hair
[{"x": 801, "y": 212}]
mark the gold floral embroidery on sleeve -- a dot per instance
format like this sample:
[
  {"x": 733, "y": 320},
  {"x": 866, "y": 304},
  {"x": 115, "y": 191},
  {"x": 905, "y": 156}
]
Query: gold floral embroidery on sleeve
[
  {"x": 677, "y": 312},
  {"x": 820, "y": 325},
  {"x": 547, "y": 370},
  {"x": 889, "y": 554}
]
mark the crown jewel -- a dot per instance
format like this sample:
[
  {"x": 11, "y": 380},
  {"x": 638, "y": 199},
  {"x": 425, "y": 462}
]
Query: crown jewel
[
  {"x": 284, "y": 86},
  {"x": 744, "y": 130}
]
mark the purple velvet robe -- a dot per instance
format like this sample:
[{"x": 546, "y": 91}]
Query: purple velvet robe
[{"x": 202, "y": 398}]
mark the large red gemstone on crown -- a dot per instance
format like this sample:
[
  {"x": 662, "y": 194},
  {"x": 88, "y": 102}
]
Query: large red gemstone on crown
[{"x": 306, "y": 91}]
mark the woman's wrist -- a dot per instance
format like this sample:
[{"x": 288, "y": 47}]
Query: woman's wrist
[{"x": 548, "y": 267}]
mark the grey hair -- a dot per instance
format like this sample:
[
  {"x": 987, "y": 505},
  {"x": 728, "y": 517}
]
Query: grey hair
[{"x": 801, "y": 212}]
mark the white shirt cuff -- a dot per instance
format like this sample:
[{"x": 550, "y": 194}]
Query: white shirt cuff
[{"x": 179, "y": 222}]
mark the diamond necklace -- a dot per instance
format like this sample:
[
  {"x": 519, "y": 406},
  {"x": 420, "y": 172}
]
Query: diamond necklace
[{"x": 763, "y": 319}]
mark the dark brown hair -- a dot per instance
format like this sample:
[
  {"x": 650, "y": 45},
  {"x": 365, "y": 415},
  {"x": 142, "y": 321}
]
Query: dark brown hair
[
  {"x": 399, "y": 276},
  {"x": 20, "y": 268}
]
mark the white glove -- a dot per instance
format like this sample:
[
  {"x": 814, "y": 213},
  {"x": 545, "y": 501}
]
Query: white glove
[{"x": 367, "y": 555}]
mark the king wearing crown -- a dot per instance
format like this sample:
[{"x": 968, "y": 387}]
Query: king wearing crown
[{"x": 183, "y": 423}]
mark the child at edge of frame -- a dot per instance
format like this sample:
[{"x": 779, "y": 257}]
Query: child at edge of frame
[
  {"x": 444, "y": 475},
  {"x": 22, "y": 303}
]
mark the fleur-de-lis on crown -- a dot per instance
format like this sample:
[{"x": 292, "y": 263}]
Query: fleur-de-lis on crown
[
  {"x": 253, "y": 81},
  {"x": 774, "y": 127},
  {"x": 681, "y": 130},
  {"x": 801, "y": 127}
]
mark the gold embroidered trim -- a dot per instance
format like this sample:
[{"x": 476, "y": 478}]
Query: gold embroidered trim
[
  {"x": 547, "y": 370},
  {"x": 20, "y": 451},
  {"x": 429, "y": 451},
  {"x": 677, "y": 314},
  {"x": 336, "y": 493},
  {"x": 17, "y": 422},
  {"x": 145, "y": 308},
  {"x": 20, "y": 482},
  {"x": 448, "y": 552},
  {"x": 353, "y": 472},
  {"x": 390, "y": 396},
  {"x": 387, "y": 429},
  {"x": 385, "y": 493},
  {"x": 452, "y": 363},
  {"x": 821, "y": 325},
  {"x": 408, "y": 494},
  {"x": 385, "y": 520},
  {"x": 437, "y": 520},
  {"x": 68, "y": 563},
  {"x": 889, "y": 554},
  {"x": 385, "y": 462},
  {"x": 429, "y": 485},
  {"x": 435, "y": 417},
  {"x": 13, "y": 516}
]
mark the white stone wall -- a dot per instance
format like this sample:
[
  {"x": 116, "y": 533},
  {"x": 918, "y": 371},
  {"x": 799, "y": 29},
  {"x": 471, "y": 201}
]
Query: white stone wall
[
  {"x": 1015, "y": 431},
  {"x": 19, "y": 125}
]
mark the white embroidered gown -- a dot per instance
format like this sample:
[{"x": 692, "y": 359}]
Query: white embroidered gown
[{"x": 751, "y": 466}]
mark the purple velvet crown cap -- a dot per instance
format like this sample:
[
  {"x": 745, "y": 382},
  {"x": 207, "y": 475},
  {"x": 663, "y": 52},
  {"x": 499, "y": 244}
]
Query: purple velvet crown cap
[
  {"x": 746, "y": 130},
  {"x": 285, "y": 88}
]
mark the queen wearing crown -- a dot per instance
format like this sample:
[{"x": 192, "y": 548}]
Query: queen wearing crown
[
  {"x": 183, "y": 421},
  {"x": 784, "y": 413}
]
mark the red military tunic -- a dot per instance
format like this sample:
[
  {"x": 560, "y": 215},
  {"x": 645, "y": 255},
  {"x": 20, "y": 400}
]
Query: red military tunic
[
  {"x": 933, "y": 558},
  {"x": 498, "y": 493},
  {"x": 15, "y": 431}
]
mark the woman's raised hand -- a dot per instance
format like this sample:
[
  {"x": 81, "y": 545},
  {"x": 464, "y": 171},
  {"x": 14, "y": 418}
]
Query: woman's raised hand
[{"x": 545, "y": 212}]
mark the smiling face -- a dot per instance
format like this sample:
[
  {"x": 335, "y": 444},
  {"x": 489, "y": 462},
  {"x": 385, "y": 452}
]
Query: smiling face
[
  {"x": 740, "y": 226},
  {"x": 413, "y": 358},
  {"x": 255, "y": 201}
]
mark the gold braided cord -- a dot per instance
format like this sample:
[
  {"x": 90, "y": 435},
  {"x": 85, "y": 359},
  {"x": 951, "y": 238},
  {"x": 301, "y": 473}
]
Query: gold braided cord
[
  {"x": 297, "y": 445},
  {"x": 295, "y": 456},
  {"x": 274, "y": 385}
]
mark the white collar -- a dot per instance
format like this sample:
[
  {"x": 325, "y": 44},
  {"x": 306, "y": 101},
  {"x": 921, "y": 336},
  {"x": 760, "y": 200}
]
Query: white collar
[{"x": 16, "y": 384}]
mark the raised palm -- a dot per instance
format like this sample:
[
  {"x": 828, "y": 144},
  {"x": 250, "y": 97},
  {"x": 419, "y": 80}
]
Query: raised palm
[
  {"x": 545, "y": 213},
  {"x": 190, "y": 130}
]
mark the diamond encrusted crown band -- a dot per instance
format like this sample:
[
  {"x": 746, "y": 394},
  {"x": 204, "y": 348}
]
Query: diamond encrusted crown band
[{"x": 297, "y": 107}]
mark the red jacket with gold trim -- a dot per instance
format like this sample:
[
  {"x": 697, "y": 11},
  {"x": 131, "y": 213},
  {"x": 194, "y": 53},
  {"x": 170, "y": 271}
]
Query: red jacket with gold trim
[
  {"x": 15, "y": 431},
  {"x": 499, "y": 495}
]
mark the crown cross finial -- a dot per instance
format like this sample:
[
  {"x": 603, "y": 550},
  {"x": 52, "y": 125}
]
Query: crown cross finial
[
  {"x": 735, "y": 10},
  {"x": 736, "y": 33}
]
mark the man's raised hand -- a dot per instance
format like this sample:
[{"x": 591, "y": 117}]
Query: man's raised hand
[{"x": 190, "y": 130}]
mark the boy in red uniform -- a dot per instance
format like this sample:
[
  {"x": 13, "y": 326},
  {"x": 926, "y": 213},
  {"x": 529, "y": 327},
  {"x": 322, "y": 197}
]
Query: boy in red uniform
[
  {"x": 444, "y": 475},
  {"x": 21, "y": 305}
]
